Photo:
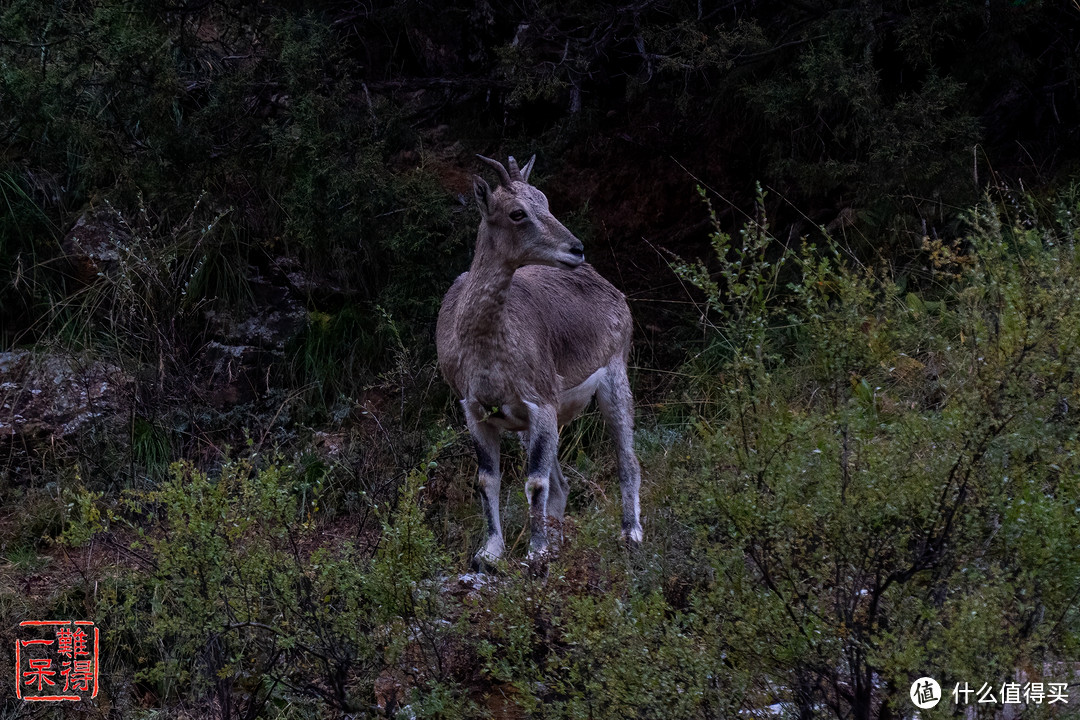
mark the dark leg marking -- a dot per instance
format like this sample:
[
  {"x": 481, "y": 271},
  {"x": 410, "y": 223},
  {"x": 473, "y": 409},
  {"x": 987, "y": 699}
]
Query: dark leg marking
[
  {"x": 489, "y": 516},
  {"x": 485, "y": 462},
  {"x": 536, "y": 455}
]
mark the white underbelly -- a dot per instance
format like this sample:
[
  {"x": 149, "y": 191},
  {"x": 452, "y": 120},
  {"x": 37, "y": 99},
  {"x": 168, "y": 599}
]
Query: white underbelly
[
  {"x": 573, "y": 400},
  {"x": 514, "y": 417}
]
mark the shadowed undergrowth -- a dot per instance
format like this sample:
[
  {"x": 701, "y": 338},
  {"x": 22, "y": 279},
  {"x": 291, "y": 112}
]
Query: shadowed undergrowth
[{"x": 876, "y": 485}]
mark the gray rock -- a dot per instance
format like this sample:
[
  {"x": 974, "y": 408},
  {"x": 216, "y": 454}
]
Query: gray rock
[{"x": 45, "y": 397}]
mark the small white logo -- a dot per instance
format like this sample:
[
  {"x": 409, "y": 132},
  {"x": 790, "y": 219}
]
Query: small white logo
[{"x": 925, "y": 693}]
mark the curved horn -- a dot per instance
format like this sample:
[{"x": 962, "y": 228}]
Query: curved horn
[
  {"x": 527, "y": 169},
  {"x": 515, "y": 171},
  {"x": 504, "y": 176}
]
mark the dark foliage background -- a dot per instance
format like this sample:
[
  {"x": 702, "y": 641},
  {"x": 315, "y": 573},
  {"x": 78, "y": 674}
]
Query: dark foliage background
[
  {"x": 225, "y": 230},
  {"x": 341, "y": 134}
]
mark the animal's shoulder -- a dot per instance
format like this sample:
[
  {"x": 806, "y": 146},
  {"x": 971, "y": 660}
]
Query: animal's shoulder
[
  {"x": 580, "y": 282},
  {"x": 580, "y": 315}
]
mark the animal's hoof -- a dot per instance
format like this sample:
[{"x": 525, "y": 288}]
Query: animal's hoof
[
  {"x": 486, "y": 562},
  {"x": 632, "y": 538}
]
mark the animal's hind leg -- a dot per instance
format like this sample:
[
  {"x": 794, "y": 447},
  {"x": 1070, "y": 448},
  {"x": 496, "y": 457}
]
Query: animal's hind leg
[
  {"x": 543, "y": 443},
  {"x": 486, "y": 443},
  {"x": 558, "y": 487},
  {"x": 558, "y": 491},
  {"x": 617, "y": 405}
]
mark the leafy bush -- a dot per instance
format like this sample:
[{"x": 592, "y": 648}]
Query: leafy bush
[
  {"x": 893, "y": 494},
  {"x": 239, "y": 597}
]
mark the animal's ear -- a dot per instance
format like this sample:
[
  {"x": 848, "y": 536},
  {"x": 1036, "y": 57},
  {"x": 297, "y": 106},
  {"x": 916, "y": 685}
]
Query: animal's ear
[
  {"x": 483, "y": 195},
  {"x": 527, "y": 169}
]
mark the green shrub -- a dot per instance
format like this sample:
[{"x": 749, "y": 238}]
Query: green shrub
[
  {"x": 239, "y": 598},
  {"x": 894, "y": 495}
]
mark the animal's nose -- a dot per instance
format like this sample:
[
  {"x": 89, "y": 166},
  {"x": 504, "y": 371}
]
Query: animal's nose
[{"x": 579, "y": 250}]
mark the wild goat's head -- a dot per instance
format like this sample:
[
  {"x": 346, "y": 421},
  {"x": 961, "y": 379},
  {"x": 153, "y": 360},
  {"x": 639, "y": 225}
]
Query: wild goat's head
[{"x": 516, "y": 218}]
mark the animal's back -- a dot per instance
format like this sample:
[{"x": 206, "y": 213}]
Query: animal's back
[{"x": 584, "y": 319}]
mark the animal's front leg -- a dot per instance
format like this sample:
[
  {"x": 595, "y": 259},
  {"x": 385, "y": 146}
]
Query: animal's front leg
[
  {"x": 543, "y": 439},
  {"x": 486, "y": 443}
]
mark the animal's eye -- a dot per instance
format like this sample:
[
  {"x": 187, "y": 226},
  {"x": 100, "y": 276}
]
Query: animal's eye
[{"x": 517, "y": 215}]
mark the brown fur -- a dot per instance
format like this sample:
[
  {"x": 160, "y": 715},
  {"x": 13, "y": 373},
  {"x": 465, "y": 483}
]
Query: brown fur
[
  {"x": 567, "y": 323},
  {"x": 526, "y": 337}
]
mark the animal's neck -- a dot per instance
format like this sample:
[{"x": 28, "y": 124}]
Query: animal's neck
[{"x": 481, "y": 318}]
